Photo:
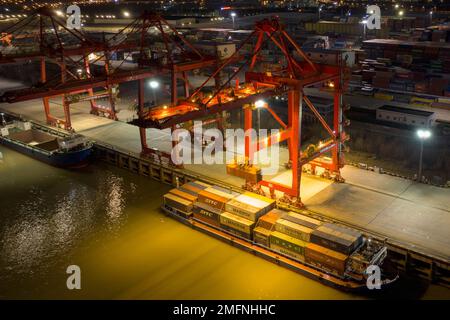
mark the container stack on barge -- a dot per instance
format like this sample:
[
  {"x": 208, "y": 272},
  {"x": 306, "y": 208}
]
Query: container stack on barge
[{"x": 336, "y": 254}]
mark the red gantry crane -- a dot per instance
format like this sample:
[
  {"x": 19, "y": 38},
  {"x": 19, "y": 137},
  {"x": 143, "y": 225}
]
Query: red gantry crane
[
  {"x": 298, "y": 73},
  {"x": 44, "y": 36}
]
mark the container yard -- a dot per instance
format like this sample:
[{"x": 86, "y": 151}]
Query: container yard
[{"x": 204, "y": 150}]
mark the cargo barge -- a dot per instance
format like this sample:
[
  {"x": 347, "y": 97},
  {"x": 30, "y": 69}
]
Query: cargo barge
[
  {"x": 72, "y": 151},
  {"x": 333, "y": 254}
]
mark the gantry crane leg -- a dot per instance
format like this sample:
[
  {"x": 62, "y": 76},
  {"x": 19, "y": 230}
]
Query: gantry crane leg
[{"x": 294, "y": 118}]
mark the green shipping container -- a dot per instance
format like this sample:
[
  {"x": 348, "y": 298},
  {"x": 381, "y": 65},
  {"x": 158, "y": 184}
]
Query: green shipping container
[{"x": 278, "y": 239}]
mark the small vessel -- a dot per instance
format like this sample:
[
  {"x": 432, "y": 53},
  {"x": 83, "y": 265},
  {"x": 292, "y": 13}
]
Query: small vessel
[
  {"x": 329, "y": 252},
  {"x": 54, "y": 148}
]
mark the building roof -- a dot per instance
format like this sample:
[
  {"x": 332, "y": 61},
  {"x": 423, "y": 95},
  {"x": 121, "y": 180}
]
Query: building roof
[
  {"x": 398, "y": 109},
  {"x": 393, "y": 42}
]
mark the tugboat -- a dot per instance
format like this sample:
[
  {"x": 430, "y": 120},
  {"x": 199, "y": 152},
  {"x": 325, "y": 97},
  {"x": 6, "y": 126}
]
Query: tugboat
[{"x": 71, "y": 151}]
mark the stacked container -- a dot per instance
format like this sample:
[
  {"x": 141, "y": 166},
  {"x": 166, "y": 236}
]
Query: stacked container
[
  {"x": 211, "y": 204},
  {"x": 337, "y": 238},
  {"x": 182, "y": 199},
  {"x": 265, "y": 225},
  {"x": 243, "y": 211},
  {"x": 254, "y": 217}
]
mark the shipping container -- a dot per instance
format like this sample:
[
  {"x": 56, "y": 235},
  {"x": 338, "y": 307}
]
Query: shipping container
[
  {"x": 294, "y": 230},
  {"x": 206, "y": 213},
  {"x": 237, "y": 232},
  {"x": 214, "y": 197},
  {"x": 196, "y": 186},
  {"x": 271, "y": 202},
  {"x": 287, "y": 252},
  {"x": 248, "y": 207},
  {"x": 193, "y": 193},
  {"x": 268, "y": 220},
  {"x": 337, "y": 238},
  {"x": 287, "y": 244},
  {"x": 173, "y": 201},
  {"x": 261, "y": 235},
  {"x": 325, "y": 258},
  {"x": 236, "y": 222},
  {"x": 303, "y": 220},
  {"x": 243, "y": 209},
  {"x": 183, "y": 194}
]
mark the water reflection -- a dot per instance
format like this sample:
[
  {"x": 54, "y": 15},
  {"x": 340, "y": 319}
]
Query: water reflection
[{"x": 46, "y": 212}]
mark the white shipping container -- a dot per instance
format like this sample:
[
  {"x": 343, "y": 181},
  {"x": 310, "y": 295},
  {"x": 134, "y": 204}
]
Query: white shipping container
[
  {"x": 243, "y": 209},
  {"x": 236, "y": 222}
]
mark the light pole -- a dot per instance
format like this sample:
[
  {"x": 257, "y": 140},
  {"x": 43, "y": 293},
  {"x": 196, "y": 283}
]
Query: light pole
[
  {"x": 233, "y": 15},
  {"x": 320, "y": 9},
  {"x": 154, "y": 85},
  {"x": 258, "y": 105},
  {"x": 364, "y": 22},
  {"x": 3, "y": 119},
  {"x": 423, "y": 135},
  {"x": 431, "y": 17}
]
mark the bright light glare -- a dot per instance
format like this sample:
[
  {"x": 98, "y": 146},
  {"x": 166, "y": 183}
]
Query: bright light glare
[
  {"x": 400, "y": 13},
  {"x": 364, "y": 22},
  {"x": 154, "y": 84},
  {"x": 423, "y": 134},
  {"x": 259, "y": 104},
  {"x": 126, "y": 14},
  {"x": 233, "y": 14},
  {"x": 59, "y": 13}
]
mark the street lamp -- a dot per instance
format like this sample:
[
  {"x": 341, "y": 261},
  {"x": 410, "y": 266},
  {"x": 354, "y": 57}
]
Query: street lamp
[
  {"x": 233, "y": 15},
  {"x": 400, "y": 13},
  {"x": 126, "y": 14},
  {"x": 154, "y": 85},
  {"x": 431, "y": 17},
  {"x": 423, "y": 134},
  {"x": 364, "y": 22},
  {"x": 320, "y": 9},
  {"x": 258, "y": 105}
]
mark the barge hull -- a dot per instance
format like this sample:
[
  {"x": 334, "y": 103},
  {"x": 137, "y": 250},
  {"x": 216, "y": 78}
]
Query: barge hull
[{"x": 63, "y": 160}]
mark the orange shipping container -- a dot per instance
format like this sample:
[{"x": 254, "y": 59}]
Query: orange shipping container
[
  {"x": 333, "y": 260},
  {"x": 214, "y": 198},
  {"x": 183, "y": 195},
  {"x": 268, "y": 220}
]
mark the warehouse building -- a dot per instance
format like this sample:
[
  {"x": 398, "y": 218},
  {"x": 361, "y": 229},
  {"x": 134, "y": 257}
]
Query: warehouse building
[{"x": 407, "y": 116}]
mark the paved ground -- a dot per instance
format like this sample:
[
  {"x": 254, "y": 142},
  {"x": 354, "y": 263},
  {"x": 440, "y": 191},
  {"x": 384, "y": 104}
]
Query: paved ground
[{"x": 411, "y": 213}]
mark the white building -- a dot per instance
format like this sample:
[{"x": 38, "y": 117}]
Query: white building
[
  {"x": 216, "y": 49},
  {"x": 406, "y": 116}
]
